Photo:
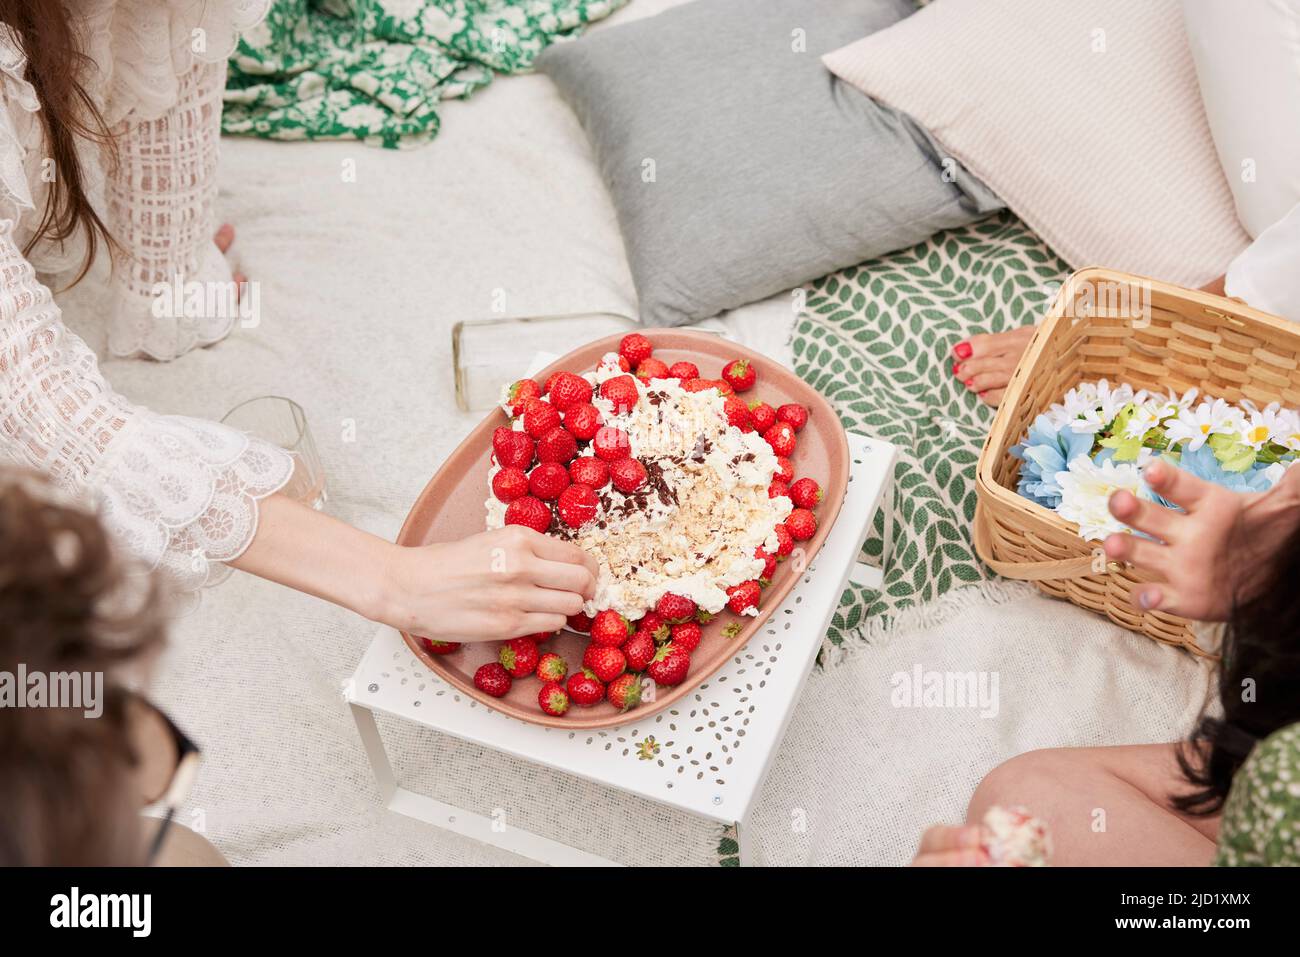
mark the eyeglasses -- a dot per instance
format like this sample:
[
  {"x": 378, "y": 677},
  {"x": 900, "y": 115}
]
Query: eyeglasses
[{"x": 166, "y": 763}]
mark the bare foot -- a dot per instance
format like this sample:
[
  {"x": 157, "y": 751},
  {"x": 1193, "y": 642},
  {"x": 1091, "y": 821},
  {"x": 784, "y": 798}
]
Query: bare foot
[
  {"x": 224, "y": 237},
  {"x": 984, "y": 364}
]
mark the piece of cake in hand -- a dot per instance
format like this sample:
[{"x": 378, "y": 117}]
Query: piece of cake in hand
[{"x": 1012, "y": 837}]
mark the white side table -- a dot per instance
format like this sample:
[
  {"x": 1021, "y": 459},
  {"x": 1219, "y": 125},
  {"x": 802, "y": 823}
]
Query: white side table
[{"x": 708, "y": 755}]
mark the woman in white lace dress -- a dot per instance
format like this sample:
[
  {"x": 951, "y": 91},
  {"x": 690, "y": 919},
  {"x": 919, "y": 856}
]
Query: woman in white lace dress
[{"x": 109, "y": 122}]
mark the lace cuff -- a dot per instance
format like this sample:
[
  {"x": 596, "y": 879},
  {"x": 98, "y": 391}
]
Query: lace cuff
[{"x": 182, "y": 493}]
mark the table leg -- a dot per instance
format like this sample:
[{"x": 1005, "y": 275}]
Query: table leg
[{"x": 494, "y": 830}]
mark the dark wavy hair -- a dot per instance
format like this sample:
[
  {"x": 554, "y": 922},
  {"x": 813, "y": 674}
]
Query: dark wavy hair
[
  {"x": 56, "y": 68},
  {"x": 67, "y": 794},
  {"x": 1259, "y": 685}
]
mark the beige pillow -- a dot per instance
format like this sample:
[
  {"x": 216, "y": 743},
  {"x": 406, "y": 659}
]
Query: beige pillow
[{"x": 1085, "y": 117}]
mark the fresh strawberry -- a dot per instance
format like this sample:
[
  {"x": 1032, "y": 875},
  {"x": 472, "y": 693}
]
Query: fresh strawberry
[
  {"x": 548, "y": 480},
  {"x": 530, "y": 512},
  {"x": 609, "y": 628},
  {"x": 611, "y": 443},
  {"x": 764, "y": 416},
  {"x": 493, "y": 679},
  {"x": 604, "y": 662},
  {"x": 793, "y": 413},
  {"x": 683, "y": 370},
  {"x": 621, "y": 392},
  {"x": 557, "y": 445},
  {"x": 568, "y": 390},
  {"x": 696, "y": 385},
  {"x": 435, "y": 646},
  {"x": 674, "y": 608},
  {"x": 539, "y": 417},
  {"x": 542, "y": 636},
  {"x": 624, "y": 692},
  {"x": 686, "y": 636},
  {"x": 627, "y": 474},
  {"x": 550, "y": 381},
  {"x": 737, "y": 413},
  {"x": 639, "y": 650},
  {"x": 769, "y": 565},
  {"x": 669, "y": 666},
  {"x": 585, "y": 688},
  {"x": 551, "y": 667},
  {"x": 739, "y": 374},
  {"x": 722, "y": 385},
  {"x": 553, "y": 699},
  {"x": 781, "y": 438},
  {"x": 577, "y": 505},
  {"x": 806, "y": 493},
  {"x": 512, "y": 449},
  {"x": 509, "y": 484},
  {"x": 784, "y": 469},
  {"x": 582, "y": 420},
  {"x": 777, "y": 489},
  {"x": 802, "y": 524},
  {"x": 784, "y": 541},
  {"x": 518, "y": 394},
  {"x": 651, "y": 368},
  {"x": 653, "y": 624},
  {"x": 634, "y": 348},
  {"x": 519, "y": 657},
  {"x": 580, "y": 623},
  {"x": 742, "y": 597},
  {"x": 589, "y": 471}
]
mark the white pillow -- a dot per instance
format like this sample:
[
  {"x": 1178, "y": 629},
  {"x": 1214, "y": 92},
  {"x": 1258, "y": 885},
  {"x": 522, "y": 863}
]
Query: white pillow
[
  {"x": 1085, "y": 117},
  {"x": 1248, "y": 63}
]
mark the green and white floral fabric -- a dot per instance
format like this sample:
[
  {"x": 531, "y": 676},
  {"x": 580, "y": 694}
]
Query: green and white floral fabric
[
  {"x": 1261, "y": 820},
  {"x": 376, "y": 70},
  {"x": 876, "y": 340}
]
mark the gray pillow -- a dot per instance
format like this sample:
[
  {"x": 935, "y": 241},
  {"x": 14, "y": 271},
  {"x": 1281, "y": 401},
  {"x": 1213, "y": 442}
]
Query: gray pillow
[{"x": 739, "y": 166}]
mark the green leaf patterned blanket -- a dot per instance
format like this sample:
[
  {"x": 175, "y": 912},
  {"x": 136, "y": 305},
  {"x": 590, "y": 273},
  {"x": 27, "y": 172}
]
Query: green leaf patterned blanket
[
  {"x": 376, "y": 70},
  {"x": 876, "y": 340}
]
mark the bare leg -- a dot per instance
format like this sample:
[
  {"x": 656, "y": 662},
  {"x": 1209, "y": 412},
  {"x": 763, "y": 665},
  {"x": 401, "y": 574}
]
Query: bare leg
[{"x": 1105, "y": 806}]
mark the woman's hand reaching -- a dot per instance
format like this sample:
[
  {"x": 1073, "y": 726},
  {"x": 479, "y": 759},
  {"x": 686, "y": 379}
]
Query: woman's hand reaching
[
  {"x": 499, "y": 584},
  {"x": 1208, "y": 555}
]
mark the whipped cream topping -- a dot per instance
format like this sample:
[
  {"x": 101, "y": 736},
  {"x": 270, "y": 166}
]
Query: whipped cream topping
[{"x": 693, "y": 527}]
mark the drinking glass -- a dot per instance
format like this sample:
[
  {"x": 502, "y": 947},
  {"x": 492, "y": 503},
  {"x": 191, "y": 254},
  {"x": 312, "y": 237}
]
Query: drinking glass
[{"x": 282, "y": 422}]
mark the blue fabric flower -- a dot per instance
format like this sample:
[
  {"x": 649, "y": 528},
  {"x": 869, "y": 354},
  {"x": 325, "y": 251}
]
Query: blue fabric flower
[
  {"x": 1047, "y": 450},
  {"x": 1204, "y": 465}
]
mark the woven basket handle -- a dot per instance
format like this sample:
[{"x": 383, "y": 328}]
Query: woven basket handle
[{"x": 1026, "y": 571}]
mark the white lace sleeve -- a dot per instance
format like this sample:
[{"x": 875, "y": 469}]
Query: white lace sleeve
[
  {"x": 179, "y": 493},
  {"x": 160, "y": 192}
]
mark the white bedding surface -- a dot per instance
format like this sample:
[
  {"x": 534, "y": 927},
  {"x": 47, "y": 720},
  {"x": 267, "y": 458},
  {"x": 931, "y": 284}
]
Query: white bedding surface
[{"x": 361, "y": 283}]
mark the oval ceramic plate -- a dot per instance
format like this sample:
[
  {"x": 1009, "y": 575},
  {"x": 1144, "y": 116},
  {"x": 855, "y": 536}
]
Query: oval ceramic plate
[{"x": 451, "y": 507}]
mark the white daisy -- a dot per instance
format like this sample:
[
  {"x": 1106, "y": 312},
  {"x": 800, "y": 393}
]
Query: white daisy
[
  {"x": 1108, "y": 404},
  {"x": 1194, "y": 426},
  {"x": 1259, "y": 427},
  {"x": 1086, "y": 488}
]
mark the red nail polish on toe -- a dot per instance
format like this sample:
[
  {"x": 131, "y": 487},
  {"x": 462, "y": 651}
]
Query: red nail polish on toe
[
  {"x": 962, "y": 350},
  {"x": 968, "y": 382},
  {"x": 956, "y": 368}
]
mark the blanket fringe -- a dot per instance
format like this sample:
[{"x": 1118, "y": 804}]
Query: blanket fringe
[{"x": 882, "y": 630}]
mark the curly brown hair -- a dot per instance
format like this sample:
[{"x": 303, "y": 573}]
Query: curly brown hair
[{"x": 68, "y": 605}]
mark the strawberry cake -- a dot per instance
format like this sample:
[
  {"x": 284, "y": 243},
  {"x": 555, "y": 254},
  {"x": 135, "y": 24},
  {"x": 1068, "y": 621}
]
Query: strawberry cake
[{"x": 686, "y": 506}]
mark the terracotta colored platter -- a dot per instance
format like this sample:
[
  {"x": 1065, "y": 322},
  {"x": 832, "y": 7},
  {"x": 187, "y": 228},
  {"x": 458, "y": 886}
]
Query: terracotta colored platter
[{"x": 451, "y": 507}]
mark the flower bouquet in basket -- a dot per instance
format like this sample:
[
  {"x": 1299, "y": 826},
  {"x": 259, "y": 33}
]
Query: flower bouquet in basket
[{"x": 1098, "y": 439}]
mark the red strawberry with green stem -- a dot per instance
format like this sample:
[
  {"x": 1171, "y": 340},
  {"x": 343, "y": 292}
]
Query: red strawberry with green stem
[
  {"x": 604, "y": 662},
  {"x": 794, "y": 414},
  {"x": 686, "y": 636},
  {"x": 781, "y": 438},
  {"x": 621, "y": 393},
  {"x": 653, "y": 624},
  {"x": 651, "y": 368},
  {"x": 674, "y": 608},
  {"x": 551, "y": 667},
  {"x": 806, "y": 493},
  {"x": 519, "y": 657},
  {"x": 624, "y": 692},
  {"x": 669, "y": 666},
  {"x": 739, "y": 374},
  {"x": 435, "y": 646},
  {"x": 553, "y": 699},
  {"x": 585, "y": 688},
  {"x": 639, "y": 650},
  {"x": 609, "y": 628},
  {"x": 518, "y": 394},
  {"x": 737, "y": 413},
  {"x": 683, "y": 370},
  {"x": 802, "y": 524},
  {"x": 762, "y": 415},
  {"x": 635, "y": 347}
]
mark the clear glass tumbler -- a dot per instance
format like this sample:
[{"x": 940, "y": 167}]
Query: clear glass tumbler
[{"x": 282, "y": 422}]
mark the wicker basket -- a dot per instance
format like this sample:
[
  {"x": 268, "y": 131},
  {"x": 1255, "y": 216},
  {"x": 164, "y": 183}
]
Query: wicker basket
[{"x": 1152, "y": 335}]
